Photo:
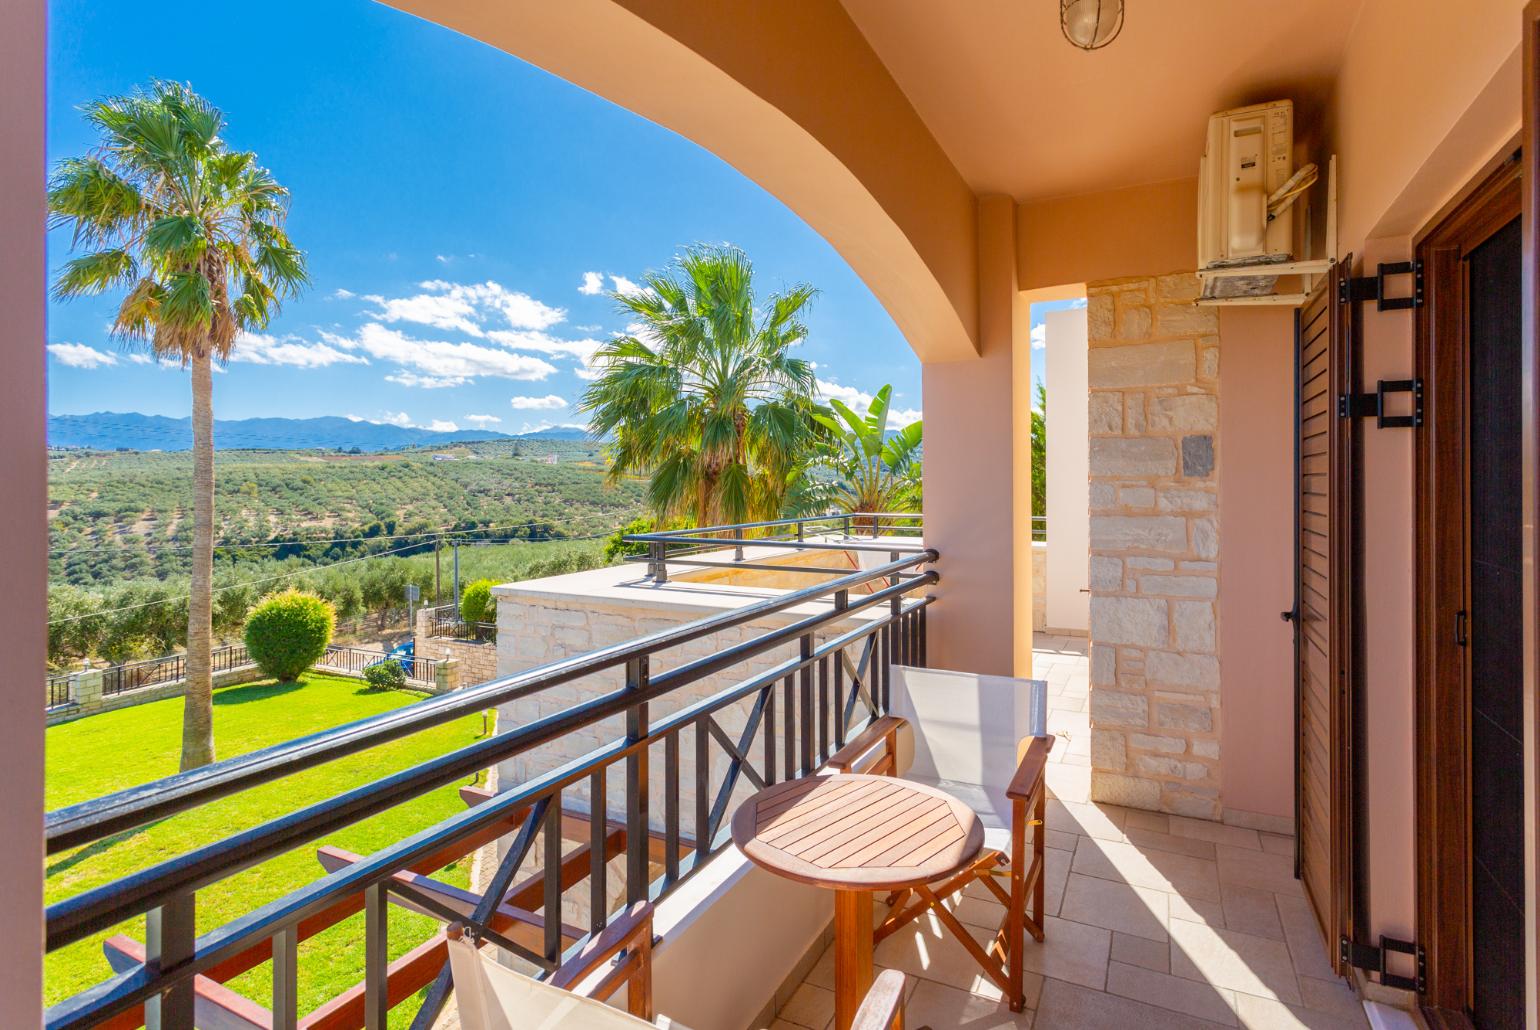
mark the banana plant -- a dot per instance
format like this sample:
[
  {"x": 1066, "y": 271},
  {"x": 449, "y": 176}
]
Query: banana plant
[{"x": 875, "y": 470}]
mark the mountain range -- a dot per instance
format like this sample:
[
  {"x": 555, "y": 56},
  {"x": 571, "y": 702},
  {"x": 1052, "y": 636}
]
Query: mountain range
[{"x": 111, "y": 430}]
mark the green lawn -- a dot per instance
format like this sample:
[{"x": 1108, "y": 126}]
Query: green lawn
[{"x": 108, "y": 752}]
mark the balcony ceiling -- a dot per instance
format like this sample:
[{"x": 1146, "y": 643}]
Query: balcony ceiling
[{"x": 1021, "y": 111}]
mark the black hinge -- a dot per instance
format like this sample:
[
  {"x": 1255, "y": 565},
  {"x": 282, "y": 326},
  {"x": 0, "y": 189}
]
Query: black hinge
[
  {"x": 1372, "y": 287},
  {"x": 1363, "y": 405},
  {"x": 1367, "y": 956}
]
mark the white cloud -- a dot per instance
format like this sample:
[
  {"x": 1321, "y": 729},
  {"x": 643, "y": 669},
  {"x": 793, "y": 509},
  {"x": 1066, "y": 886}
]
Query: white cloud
[
  {"x": 442, "y": 259},
  {"x": 406, "y": 378},
  {"x": 545, "y": 343},
  {"x": 625, "y": 287},
  {"x": 261, "y": 349},
  {"x": 341, "y": 294},
  {"x": 399, "y": 418},
  {"x": 859, "y": 401},
  {"x": 78, "y": 355},
  {"x": 483, "y": 421},
  {"x": 139, "y": 358},
  {"x": 467, "y": 307},
  {"x": 1039, "y": 336},
  {"x": 588, "y": 374},
  {"x": 593, "y": 282},
  {"x": 586, "y": 328},
  {"x": 440, "y": 425},
  {"x": 550, "y": 402},
  {"x": 440, "y": 359}
]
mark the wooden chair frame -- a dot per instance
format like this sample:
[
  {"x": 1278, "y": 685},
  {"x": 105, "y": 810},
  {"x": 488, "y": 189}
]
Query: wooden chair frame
[{"x": 1002, "y": 959}]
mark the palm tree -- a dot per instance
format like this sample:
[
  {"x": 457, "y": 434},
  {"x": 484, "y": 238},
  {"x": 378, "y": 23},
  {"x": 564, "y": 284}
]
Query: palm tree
[
  {"x": 876, "y": 471},
  {"x": 1040, "y": 463},
  {"x": 193, "y": 232},
  {"x": 701, "y": 394}
]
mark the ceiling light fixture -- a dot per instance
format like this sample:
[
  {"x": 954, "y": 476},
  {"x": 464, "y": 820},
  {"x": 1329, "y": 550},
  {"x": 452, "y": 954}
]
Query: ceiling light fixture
[{"x": 1091, "y": 24}]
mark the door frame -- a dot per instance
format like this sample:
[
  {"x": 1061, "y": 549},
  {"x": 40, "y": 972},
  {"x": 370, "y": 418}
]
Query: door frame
[
  {"x": 1530, "y": 379},
  {"x": 1442, "y": 666}
]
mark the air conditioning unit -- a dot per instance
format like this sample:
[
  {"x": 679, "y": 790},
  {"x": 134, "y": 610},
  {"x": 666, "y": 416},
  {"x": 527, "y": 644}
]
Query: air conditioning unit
[{"x": 1246, "y": 189}]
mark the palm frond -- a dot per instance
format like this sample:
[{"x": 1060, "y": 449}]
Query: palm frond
[{"x": 91, "y": 274}]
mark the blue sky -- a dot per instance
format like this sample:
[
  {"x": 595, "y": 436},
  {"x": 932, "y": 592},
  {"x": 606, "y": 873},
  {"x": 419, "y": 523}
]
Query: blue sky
[{"x": 462, "y": 213}]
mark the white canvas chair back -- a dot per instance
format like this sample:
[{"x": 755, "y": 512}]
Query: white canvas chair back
[
  {"x": 964, "y": 730},
  {"x": 491, "y": 996}
]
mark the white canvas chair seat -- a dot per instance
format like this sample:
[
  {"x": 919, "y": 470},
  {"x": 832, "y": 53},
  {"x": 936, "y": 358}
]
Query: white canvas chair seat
[
  {"x": 491, "y": 996},
  {"x": 984, "y": 740}
]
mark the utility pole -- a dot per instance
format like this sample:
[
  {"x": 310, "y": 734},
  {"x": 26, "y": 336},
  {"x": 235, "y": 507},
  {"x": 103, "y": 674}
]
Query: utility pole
[
  {"x": 438, "y": 585},
  {"x": 456, "y": 545}
]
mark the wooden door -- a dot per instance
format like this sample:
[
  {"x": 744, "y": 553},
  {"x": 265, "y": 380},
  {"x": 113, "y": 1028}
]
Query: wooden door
[
  {"x": 1325, "y": 652},
  {"x": 1469, "y": 668}
]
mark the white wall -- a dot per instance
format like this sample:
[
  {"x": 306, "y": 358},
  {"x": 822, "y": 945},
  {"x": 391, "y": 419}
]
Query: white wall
[{"x": 1069, "y": 537}]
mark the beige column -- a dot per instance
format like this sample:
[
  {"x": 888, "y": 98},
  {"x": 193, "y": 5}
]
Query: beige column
[
  {"x": 23, "y": 470},
  {"x": 972, "y": 438},
  {"x": 446, "y": 676}
]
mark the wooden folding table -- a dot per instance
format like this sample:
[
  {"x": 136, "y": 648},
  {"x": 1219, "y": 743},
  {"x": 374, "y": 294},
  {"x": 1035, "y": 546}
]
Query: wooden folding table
[{"x": 856, "y": 834}]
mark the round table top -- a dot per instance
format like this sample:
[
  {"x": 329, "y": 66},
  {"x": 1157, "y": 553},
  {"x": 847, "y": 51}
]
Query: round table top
[{"x": 857, "y": 832}]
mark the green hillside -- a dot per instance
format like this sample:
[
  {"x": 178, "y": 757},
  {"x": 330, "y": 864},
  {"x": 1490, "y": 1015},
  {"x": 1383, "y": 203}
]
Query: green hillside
[
  {"x": 118, "y": 516},
  {"x": 355, "y": 528}
]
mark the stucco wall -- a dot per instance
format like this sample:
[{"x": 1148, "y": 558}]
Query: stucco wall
[
  {"x": 1256, "y": 578},
  {"x": 1450, "y": 120},
  {"x": 1155, "y": 465},
  {"x": 24, "y": 471}
]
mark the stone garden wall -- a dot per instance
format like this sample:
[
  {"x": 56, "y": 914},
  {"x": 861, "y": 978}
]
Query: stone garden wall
[
  {"x": 478, "y": 659},
  {"x": 1155, "y": 454},
  {"x": 86, "y": 697}
]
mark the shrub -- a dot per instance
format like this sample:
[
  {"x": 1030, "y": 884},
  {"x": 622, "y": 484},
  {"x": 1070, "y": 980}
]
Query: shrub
[
  {"x": 616, "y": 547},
  {"x": 386, "y": 675},
  {"x": 477, "y": 603},
  {"x": 288, "y": 632}
]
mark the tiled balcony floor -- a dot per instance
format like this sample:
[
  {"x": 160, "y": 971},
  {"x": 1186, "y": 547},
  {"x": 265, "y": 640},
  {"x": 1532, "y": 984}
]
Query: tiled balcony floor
[{"x": 1154, "y": 921}]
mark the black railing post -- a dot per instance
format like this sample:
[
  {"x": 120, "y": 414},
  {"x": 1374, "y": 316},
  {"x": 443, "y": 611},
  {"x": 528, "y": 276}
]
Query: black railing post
[
  {"x": 598, "y": 867},
  {"x": 805, "y": 702},
  {"x": 171, "y": 932},
  {"x": 376, "y": 956},
  {"x": 286, "y": 979},
  {"x": 924, "y": 635},
  {"x": 637, "y": 826},
  {"x": 671, "y": 807}
]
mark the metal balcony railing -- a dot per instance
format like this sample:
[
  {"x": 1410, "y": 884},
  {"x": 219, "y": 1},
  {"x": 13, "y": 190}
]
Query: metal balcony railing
[
  {"x": 800, "y": 710},
  {"x": 843, "y": 531}
]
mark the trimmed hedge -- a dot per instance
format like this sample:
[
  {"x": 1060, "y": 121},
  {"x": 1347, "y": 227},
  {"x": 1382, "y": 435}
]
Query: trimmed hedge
[
  {"x": 477, "y": 603},
  {"x": 386, "y": 675},
  {"x": 288, "y": 633}
]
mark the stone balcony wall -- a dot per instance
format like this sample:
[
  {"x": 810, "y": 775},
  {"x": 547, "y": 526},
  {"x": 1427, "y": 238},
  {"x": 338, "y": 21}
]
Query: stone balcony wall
[
  {"x": 553, "y": 619},
  {"x": 1154, "y": 468}
]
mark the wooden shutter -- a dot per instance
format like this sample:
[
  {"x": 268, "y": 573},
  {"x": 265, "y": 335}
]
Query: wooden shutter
[{"x": 1325, "y": 553}]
